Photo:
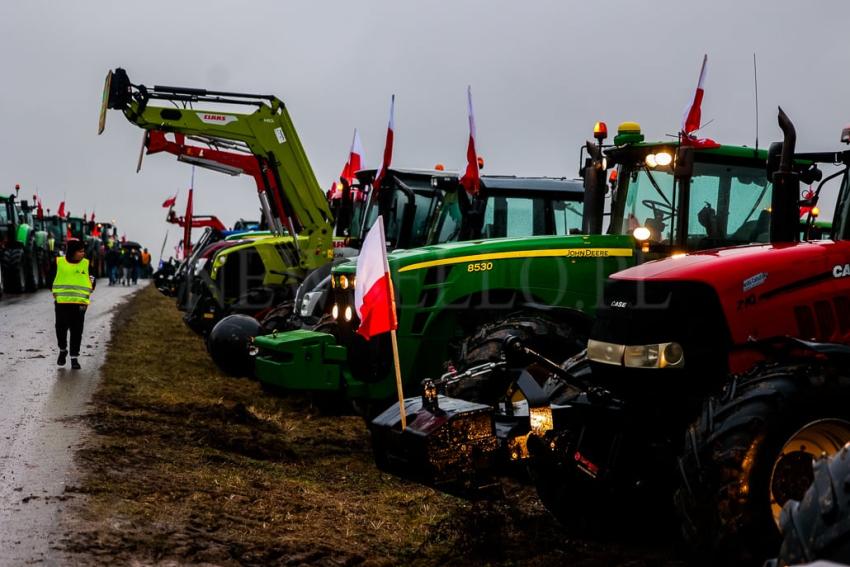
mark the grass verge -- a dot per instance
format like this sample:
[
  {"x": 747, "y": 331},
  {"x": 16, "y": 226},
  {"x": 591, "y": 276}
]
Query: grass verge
[{"x": 186, "y": 465}]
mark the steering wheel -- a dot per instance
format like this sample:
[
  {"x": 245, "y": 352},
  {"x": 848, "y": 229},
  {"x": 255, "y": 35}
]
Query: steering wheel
[{"x": 660, "y": 209}]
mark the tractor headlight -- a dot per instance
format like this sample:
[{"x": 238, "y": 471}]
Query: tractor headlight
[
  {"x": 606, "y": 353},
  {"x": 343, "y": 282},
  {"x": 540, "y": 419},
  {"x": 660, "y": 355},
  {"x": 335, "y": 311},
  {"x": 348, "y": 314}
]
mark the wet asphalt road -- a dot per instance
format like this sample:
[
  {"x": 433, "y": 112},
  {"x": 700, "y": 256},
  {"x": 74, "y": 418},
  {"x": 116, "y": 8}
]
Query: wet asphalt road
[{"x": 40, "y": 406}]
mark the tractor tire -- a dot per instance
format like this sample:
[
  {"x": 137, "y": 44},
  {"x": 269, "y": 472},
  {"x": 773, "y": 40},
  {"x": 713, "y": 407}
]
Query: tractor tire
[
  {"x": 31, "y": 270},
  {"x": 578, "y": 503},
  {"x": 816, "y": 528},
  {"x": 14, "y": 274},
  {"x": 751, "y": 451},
  {"x": 556, "y": 340}
]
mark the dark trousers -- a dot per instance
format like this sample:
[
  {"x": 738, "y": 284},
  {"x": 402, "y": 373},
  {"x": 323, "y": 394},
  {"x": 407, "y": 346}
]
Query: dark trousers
[{"x": 70, "y": 317}]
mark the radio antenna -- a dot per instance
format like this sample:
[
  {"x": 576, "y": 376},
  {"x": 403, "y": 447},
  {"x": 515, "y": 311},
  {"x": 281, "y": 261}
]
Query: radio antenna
[{"x": 756, "y": 83}]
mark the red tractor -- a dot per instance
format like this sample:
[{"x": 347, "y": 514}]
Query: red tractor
[
  {"x": 710, "y": 380},
  {"x": 722, "y": 373}
]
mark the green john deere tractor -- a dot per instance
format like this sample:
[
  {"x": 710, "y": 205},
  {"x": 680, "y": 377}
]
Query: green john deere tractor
[
  {"x": 340, "y": 361},
  {"x": 456, "y": 302},
  {"x": 24, "y": 258}
]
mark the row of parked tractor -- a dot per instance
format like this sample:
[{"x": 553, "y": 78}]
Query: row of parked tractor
[
  {"x": 30, "y": 240},
  {"x": 664, "y": 340}
]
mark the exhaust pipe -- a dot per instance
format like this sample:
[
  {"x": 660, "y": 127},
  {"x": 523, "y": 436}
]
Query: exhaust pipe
[{"x": 785, "y": 200}]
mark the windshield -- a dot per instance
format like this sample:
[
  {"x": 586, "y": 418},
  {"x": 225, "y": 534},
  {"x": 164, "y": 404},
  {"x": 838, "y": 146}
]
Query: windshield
[
  {"x": 76, "y": 228},
  {"x": 512, "y": 216},
  {"x": 393, "y": 206},
  {"x": 4, "y": 213},
  {"x": 57, "y": 228},
  {"x": 728, "y": 205},
  {"x": 358, "y": 209}
]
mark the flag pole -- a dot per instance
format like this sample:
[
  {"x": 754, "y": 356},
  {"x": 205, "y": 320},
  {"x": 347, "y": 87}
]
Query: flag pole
[
  {"x": 398, "y": 385},
  {"x": 162, "y": 250}
]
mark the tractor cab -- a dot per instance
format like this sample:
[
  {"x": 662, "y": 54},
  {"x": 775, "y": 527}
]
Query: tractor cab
[
  {"x": 7, "y": 217},
  {"x": 408, "y": 200},
  {"x": 510, "y": 206},
  {"x": 674, "y": 198},
  {"x": 57, "y": 228}
]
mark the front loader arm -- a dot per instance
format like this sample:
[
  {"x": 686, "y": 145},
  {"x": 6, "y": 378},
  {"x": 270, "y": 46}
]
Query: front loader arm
[
  {"x": 198, "y": 221},
  {"x": 268, "y": 133}
]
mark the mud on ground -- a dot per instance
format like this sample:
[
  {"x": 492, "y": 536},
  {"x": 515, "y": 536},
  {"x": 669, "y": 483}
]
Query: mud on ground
[{"x": 186, "y": 465}]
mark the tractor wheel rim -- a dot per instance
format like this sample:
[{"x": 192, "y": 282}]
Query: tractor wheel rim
[{"x": 792, "y": 472}]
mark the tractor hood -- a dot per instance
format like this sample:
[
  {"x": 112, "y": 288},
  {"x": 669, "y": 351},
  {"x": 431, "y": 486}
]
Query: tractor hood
[
  {"x": 597, "y": 246},
  {"x": 726, "y": 266},
  {"x": 756, "y": 285}
]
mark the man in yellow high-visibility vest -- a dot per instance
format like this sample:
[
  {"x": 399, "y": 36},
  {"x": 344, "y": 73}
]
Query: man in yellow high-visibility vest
[{"x": 72, "y": 289}]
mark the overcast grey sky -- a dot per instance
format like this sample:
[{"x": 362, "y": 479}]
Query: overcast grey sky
[{"x": 541, "y": 73}]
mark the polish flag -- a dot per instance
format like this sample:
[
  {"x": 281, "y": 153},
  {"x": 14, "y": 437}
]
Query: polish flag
[
  {"x": 471, "y": 179},
  {"x": 388, "y": 148},
  {"x": 61, "y": 211},
  {"x": 187, "y": 229},
  {"x": 373, "y": 294},
  {"x": 356, "y": 160},
  {"x": 170, "y": 202},
  {"x": 691, "y": 119}
]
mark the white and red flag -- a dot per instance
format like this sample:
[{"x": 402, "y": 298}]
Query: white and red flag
[
  {"x": 471, "y": 179},
  {"x": 373, "y": 294},
  {"x": 356, "y": 160},
  {"x": 691, "y": 121},
  {"x": 388, "y": 148},
  {"x": 693, "y": 115},
  {"x": 170, "y": 202},
  {"x": 61, "y": 211}
]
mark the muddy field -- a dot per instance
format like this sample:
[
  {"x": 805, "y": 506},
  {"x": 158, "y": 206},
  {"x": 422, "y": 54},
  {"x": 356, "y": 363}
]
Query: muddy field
[{"x": 185, "y": 465}]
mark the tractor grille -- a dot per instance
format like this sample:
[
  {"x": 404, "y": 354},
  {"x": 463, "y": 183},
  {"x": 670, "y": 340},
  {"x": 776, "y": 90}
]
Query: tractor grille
[{"x": 651, "y": 312}]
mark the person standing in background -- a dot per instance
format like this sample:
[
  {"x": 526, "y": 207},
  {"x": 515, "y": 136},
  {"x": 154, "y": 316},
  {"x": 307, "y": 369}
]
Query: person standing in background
[{"x": 146, "y": 264}]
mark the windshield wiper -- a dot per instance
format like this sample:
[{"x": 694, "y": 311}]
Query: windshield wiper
[{"x": 657, "y": 188}]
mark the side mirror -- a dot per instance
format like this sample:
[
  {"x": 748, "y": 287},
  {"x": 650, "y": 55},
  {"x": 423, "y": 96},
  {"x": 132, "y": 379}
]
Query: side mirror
[
  {"x": 811, "y": 175},
  {"x": 445, "y": 182}
]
